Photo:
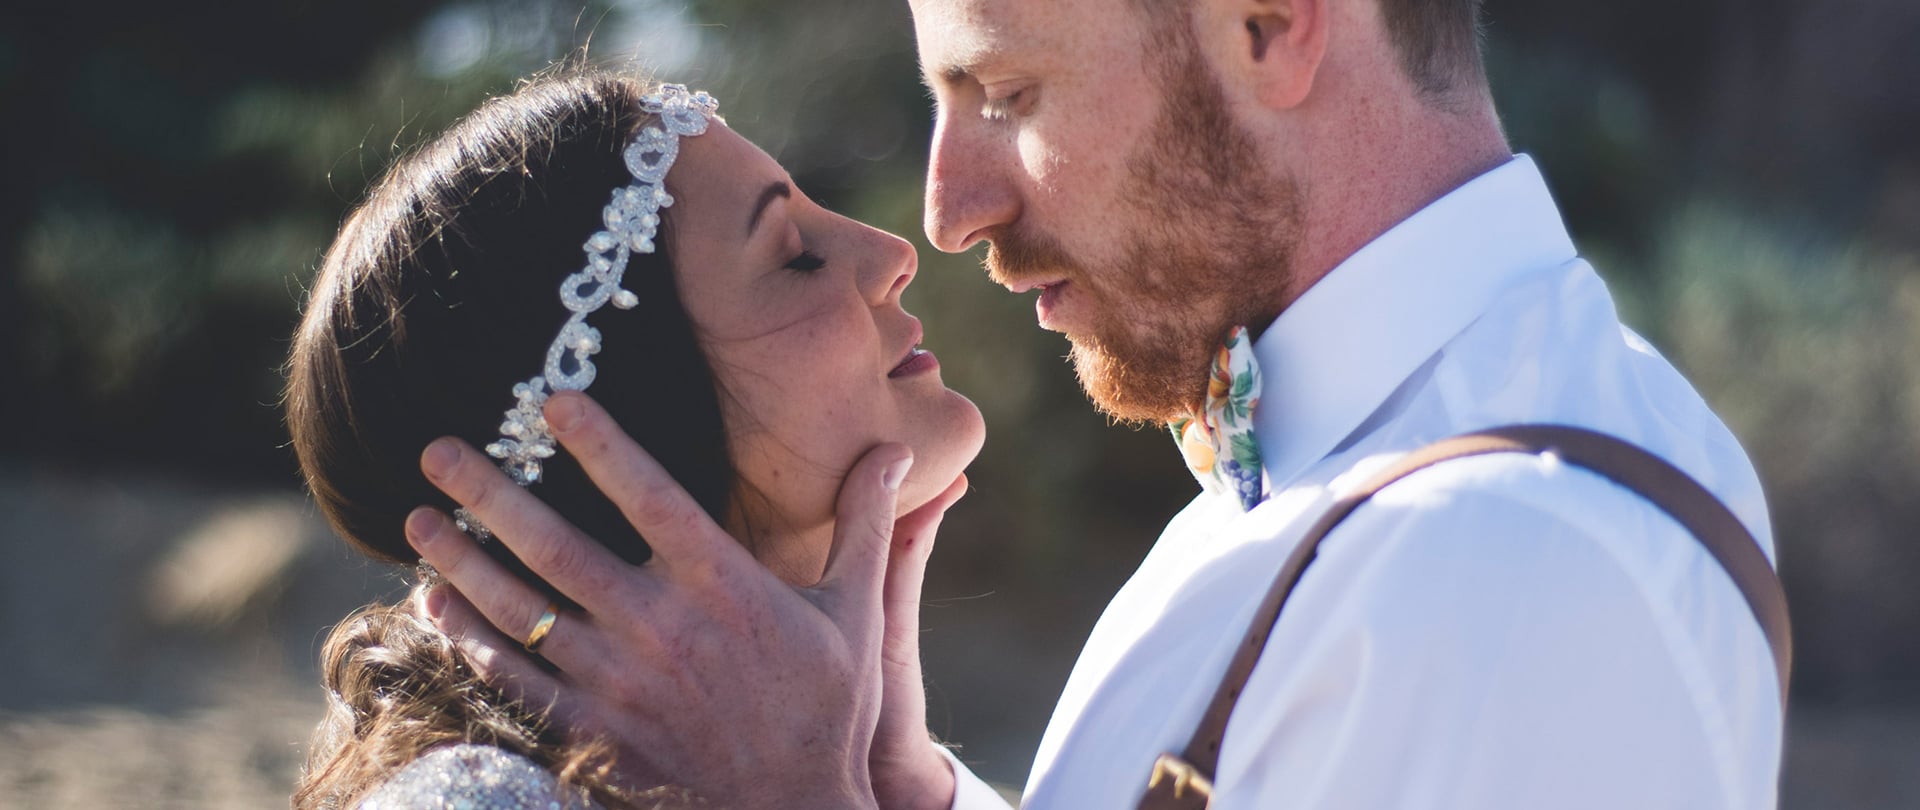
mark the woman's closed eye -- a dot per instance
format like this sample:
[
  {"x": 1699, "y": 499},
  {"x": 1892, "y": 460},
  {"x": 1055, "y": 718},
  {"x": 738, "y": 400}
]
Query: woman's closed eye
[{"x": 806, "y": 262}]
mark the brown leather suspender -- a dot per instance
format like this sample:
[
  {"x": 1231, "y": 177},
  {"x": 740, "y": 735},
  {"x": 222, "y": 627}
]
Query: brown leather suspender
[{"x": 1185, "y": 780}]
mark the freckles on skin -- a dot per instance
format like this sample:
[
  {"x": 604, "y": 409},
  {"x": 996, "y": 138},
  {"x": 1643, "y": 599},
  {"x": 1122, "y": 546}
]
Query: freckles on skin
[
  {"x": 761, "y": 311},
  {"x": 1043, "y": 163},
  {"x": 801, "y": 360},
  {"x": 810, "y": 396},
  {"x": 1054, "y": 164},
  {"x": 801, "y": 355},
  {"x": 1088, "y": 116}
]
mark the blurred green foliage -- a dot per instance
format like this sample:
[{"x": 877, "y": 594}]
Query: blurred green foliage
[{"x": 1745, "y": 174}]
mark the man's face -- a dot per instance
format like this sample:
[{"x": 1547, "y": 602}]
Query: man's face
[{"x": 1097, "y": 155}]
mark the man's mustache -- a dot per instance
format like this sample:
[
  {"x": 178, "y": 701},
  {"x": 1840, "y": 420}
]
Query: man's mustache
[{"x": 1014, "y": 256}]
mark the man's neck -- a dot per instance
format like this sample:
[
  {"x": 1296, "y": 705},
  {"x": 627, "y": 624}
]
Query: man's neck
[{"x": 1401, "y": 161}]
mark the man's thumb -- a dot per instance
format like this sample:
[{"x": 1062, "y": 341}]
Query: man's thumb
[{"x": 862, "y": 533}]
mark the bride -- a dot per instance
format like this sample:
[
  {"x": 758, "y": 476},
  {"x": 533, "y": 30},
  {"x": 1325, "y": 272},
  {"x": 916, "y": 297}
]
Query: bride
[{"x": 755, "y": 345}]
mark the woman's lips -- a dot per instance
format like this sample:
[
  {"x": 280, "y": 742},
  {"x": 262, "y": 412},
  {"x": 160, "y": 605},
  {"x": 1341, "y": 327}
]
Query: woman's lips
[{"x": 919, "y": 361}]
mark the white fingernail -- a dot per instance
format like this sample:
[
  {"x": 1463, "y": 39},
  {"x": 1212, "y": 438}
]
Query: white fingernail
[{"x": 896, "y": 473}]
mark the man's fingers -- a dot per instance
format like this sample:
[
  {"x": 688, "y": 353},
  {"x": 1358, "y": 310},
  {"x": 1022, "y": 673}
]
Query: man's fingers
[
  {"x": 906, "y": 569},
  {"x": 509, "y": 606},
  {"x": 500, "y": 662},
  {"x": 674, "y": 524},
  {"x": 495, "y": 658},
  {"x": 862, "y": 531},
  {"x": 912, "y": 541},
  {"x": 575, "y": 565},
  {"x": 917, "y": 526}
]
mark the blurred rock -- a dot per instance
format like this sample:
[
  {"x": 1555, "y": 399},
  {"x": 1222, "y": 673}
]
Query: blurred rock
[{"x": 236, "y": 561}]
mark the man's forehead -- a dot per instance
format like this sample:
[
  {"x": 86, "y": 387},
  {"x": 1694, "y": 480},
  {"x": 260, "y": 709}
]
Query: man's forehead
[{"x": 957, "y": 36}]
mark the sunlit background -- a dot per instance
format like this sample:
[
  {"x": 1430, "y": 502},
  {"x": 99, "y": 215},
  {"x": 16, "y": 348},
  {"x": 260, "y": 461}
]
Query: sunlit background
[{"x": 1745, "y": 174}]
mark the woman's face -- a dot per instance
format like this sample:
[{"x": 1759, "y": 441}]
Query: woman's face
[{"x": 799, "y": 311}]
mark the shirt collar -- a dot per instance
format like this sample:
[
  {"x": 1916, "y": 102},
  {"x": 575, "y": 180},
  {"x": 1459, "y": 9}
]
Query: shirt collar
[{"x": 1340, "y": 350}]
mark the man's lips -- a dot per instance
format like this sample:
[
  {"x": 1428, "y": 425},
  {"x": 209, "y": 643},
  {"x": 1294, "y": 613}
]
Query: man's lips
[
  {"x": 1026, "y": 284},
  {"x": 1047, "y": 306},
  {"x": 1051, "y": 290}
]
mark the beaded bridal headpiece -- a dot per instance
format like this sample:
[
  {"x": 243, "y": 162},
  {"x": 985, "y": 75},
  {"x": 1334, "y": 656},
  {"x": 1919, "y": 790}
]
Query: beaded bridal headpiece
[{"x": 632, "y": 220}]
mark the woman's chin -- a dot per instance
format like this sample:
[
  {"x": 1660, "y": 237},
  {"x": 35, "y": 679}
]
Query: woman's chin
[{"x": 942, "y": 454}]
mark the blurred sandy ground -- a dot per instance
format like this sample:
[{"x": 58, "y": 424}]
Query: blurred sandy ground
[
  {"x": 160, "y": 642},
  {"x": 159, "y": 645}
]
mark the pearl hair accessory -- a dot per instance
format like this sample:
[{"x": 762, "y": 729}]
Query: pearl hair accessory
[{"x": 632, "y": 221}]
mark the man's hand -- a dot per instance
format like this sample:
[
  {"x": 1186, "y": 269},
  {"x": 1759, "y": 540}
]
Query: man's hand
[
  {"x": 704, "y": 669},
  {"x": 908, "y": 774}
]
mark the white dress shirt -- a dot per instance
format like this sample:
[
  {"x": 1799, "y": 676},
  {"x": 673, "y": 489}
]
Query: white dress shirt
[{"x": 1496, "y": 632}]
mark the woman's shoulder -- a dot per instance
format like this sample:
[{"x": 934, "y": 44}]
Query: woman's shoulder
[{"x": 473, "y": 776}]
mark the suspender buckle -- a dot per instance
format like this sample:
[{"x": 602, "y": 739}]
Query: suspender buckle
[{"x": 1174, "y": 778}]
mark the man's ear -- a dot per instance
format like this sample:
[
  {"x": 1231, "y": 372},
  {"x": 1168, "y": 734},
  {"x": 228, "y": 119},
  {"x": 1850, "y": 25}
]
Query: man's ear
[{"x": 1274, "y": 47}]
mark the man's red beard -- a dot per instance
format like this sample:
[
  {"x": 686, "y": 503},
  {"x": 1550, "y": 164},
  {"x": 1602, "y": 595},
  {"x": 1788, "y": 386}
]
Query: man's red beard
[{"x": 1207, "y": 245}]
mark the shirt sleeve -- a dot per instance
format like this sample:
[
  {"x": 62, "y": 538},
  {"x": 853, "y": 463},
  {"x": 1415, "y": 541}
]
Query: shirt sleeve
[
  {"x": 970, "y": 792},
  {"x": 1490, "y": 651}
]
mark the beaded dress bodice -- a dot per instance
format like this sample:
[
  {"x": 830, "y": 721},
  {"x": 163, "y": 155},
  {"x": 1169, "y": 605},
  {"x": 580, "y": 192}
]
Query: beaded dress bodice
[{"x": 473, "y": 777}]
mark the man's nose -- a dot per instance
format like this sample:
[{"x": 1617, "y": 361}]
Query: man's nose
[{"x": 968, "y": 193}]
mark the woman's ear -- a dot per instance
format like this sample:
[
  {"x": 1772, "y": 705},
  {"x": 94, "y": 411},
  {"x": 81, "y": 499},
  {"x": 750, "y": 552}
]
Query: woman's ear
[{"x": 1274, "y": 47}]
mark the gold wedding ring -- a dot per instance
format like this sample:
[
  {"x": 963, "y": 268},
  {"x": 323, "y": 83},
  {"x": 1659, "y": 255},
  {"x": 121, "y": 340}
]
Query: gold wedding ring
[{"x": 542, "y": 628}]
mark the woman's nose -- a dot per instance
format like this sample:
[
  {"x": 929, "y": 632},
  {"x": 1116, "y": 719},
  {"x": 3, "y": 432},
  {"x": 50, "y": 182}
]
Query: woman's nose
[{"x": 893, "y": 268}]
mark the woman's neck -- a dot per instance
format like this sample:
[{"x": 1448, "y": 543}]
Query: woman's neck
[{"x": 795, "y": 554}]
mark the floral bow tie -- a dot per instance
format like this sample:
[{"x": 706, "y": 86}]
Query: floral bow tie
[{"x": 1218, "y": 444}]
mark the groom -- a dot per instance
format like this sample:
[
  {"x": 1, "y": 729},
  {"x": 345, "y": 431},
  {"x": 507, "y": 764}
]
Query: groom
[{"x": 1323, "y": 187}]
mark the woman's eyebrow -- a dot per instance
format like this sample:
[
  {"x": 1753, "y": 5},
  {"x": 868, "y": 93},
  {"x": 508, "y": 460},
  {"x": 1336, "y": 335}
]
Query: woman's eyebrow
[{"x": 778, "y": 189}]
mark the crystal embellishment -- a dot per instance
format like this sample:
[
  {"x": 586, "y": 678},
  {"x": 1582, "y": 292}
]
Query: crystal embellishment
[
  {"x": 632, "y": 221},
  {"x": 466, "y": 776}
]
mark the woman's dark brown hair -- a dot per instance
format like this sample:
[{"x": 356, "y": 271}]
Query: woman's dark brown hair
[{"x": 438, "y": 295}]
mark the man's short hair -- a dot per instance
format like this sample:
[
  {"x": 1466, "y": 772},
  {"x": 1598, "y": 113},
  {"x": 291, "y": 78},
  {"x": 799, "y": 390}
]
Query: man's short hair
[{"x": 1438, "y": 40}]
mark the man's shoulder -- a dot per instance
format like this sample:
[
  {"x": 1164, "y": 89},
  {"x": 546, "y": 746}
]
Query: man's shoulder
[
  {"x": 1498, "y": 506},
  {"x": 1506, "y": 517},
  {"x": 1512, "y": 610},
  {"x": 1556, "y": 352},
  {"x": 1473, "y": 550},
  {"x": 1459, "y": 496},
  {"x": 1504, "y": 585}
]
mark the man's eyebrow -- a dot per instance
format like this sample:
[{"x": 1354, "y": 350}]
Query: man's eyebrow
[
  {"x": 949, "y": 75},
  {"x": 961, "y": 66},
  {"x": 776, "y": 190}
]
